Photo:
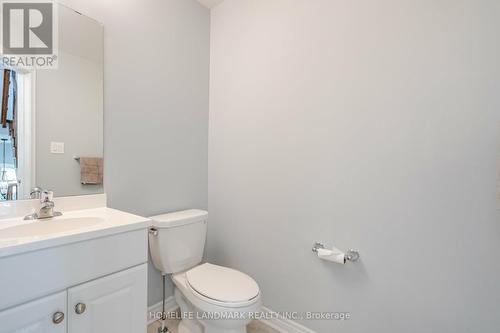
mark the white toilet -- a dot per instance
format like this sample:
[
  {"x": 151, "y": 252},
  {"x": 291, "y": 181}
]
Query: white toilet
[{"x": 212, "y": 299}]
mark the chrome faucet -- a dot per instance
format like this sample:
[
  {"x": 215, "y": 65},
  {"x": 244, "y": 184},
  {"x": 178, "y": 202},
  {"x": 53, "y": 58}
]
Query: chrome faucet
[
  {"x": 47, "y": 205},
  {"x": 36, "y": 192}
]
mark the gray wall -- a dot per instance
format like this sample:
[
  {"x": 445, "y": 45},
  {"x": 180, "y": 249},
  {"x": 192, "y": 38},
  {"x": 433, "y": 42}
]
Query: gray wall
[
  {"x": 370, "y": 124},
  {"x": 156, "y": 68}
]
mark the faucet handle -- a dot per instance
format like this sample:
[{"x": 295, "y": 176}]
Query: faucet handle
[
  {"x": 36, "y": 193},
  {"x": 46, "y": 196}
]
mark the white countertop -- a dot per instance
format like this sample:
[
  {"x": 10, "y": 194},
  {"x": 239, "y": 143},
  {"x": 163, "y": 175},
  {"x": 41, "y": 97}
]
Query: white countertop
[{"x": 18, "y": 236}]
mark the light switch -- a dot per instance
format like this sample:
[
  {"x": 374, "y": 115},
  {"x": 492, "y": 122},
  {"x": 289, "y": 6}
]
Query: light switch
[{"x": 57, "y": 147}]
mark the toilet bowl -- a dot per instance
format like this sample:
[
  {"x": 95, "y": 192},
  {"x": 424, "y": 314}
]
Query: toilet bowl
[
  {"x": 215, "y": 299},
  {"x": 212, "y": 298}
]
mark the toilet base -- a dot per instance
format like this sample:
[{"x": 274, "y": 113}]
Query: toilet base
[
  {"x": 215, "y": 329},
  {"x": 188, "y": 324},
  {"x": 183, "y": 329}
]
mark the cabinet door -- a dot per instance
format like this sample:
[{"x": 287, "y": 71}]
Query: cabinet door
[
  {"x": 113, "y": 304},
  {"x": 45, "y": 315}
]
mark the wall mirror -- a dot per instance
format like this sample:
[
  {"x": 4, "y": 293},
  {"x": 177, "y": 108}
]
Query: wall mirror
[{"x": 51, "y": 126}]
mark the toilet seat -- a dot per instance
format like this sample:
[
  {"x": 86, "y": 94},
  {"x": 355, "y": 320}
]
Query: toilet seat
[{"x": 222, "y": 286}]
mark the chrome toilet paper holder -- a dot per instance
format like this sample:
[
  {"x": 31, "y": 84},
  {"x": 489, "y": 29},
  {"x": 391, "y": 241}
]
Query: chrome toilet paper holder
[{"x": 351, "y": 255}]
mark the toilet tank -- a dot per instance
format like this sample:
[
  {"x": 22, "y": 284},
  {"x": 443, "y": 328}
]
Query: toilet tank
[{"x": 177, "y": 240}]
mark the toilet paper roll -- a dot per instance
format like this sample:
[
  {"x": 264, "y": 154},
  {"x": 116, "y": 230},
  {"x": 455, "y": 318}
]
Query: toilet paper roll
[{"x": 333, "y": 255}]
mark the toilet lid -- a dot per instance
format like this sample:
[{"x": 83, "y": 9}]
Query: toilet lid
[{"x": 222, "y": 284}]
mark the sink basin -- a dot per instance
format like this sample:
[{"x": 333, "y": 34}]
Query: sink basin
[
  {"x": 19, "y": 236},
  {"x": 41, "y": 228}
]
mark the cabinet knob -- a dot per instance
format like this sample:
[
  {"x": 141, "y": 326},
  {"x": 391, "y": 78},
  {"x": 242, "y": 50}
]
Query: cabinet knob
[
  {"x": 80, "y": 308},
  {"x": 58, "y": 317}
]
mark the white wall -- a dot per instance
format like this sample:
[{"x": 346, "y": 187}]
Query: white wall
[
  {"x": 156, "y": 67},
  {"x": 368, "y": 124}
]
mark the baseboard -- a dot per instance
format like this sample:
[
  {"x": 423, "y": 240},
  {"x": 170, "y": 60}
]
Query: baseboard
[
  {"x": 170, "y": 305},
  {"x": 283, "y": 325}
]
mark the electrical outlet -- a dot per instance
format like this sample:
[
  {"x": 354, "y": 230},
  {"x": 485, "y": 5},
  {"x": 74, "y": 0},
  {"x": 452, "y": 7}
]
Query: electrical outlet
[{"x": 57, "y": 147}]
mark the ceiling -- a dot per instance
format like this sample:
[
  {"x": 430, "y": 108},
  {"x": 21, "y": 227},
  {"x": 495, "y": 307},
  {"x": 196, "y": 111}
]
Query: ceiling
[{"x": 210, "y": 3}]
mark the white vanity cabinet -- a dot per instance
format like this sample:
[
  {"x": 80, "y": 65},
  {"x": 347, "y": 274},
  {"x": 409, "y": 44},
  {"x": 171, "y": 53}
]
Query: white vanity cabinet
[
  {"x": 44, "y": 315},
  {"x": 99, "y": 284},
  {"x": 111, "y": 304}
]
